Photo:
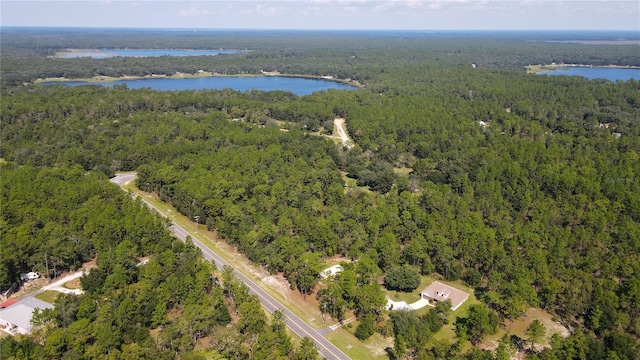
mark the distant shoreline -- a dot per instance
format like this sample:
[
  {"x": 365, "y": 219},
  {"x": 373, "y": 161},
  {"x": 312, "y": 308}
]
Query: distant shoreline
[
  {"x": 540, "y": 69},
  {"x": 204, "y": 74},
  {"x": 109, "y": 53}
]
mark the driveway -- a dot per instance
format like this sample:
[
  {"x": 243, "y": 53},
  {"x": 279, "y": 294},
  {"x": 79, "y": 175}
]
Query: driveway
[
  {"x": 402, "y": 305},
  {"x": 57, "y": 285}
]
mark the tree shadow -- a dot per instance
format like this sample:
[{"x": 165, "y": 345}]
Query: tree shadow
[
  {"x": 390, "y": 353},
  {"x": 518, "y": 342}
]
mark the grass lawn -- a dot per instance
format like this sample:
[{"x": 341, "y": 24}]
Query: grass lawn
[
  {"x": 448, "y": 332},
  {"x": 353, "y": 183},
  {"x": 413, "y": 296},
  {"x": 48, "y": 296},
  {"x": 349, "y": 181},
  {"x": 335, "y": 260}
]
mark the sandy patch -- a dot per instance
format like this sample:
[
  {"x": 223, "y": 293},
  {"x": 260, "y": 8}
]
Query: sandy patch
[
  {"x": 377, "y": 345},
  {"x": 279, "y": 283},
  {"x": 73, "y": 284},
  {"x": 553, "y": 327}
]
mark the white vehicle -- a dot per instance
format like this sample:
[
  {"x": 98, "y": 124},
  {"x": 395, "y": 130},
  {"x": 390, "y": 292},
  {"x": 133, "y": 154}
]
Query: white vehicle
[{"x": 30, "y": 276}]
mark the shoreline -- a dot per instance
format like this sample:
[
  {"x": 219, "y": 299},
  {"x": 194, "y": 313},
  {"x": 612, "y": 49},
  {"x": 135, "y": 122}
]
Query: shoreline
[
  {"x": 204, "y": 74},
  {"x": 108, "y": 53},
  {"x": 539, "y": 69}
]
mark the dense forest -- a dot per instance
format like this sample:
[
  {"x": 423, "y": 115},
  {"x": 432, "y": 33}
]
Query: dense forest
[
  {"x": 129, "y": 309},
  {"x": 526, "y": 187}
]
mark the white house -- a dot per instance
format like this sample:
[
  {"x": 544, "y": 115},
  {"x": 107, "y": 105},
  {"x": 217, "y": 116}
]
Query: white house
[
  {"x": 438, "y": 291},
  {"x": 16, "y": 317}
]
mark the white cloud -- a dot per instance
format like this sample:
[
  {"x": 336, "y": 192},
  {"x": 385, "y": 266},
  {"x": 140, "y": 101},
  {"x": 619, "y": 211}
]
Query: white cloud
[
  {"x": 194, "y": 11},
  {"x": 266, "y": 10}
]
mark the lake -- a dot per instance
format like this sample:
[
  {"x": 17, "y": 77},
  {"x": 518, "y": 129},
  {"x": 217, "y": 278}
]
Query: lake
[
  {"x": 298, "y": 86},
  {"x": 613, "y": 74},
  {"x": 107, "y": 53}
]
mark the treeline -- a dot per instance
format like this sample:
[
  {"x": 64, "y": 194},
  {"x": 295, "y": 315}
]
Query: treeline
[
  {"x": 28, "y": 53},
  {"x": 165, "y": 308}
]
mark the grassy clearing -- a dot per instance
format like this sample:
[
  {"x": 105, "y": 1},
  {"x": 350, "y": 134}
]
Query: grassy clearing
[
  {"x": 448, "y": 331},
  {"x": 48, "y": 296},
  {"x": 336, "y": 260},
  {"x": 335, "y": 140},
  {"x": 403, "y": 171},
  {"x": 352, "y": 184},
  {"x": 411, "y": 297},
  {"x": 353, "y": 347}
]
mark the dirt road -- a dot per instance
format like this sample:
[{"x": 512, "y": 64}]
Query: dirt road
[{"x": 342, "y": 132}]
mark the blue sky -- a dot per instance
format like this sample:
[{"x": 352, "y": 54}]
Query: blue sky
[{"x": 328, "y": 14}]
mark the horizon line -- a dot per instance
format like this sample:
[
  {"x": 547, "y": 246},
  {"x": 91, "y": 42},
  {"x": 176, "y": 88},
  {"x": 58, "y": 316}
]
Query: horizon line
[{"x": 298, "y": 29}]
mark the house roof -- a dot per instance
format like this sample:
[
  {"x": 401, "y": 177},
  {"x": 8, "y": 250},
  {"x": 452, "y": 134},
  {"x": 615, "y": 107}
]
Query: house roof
[
  {"x": 442, "y": 292},
  {"x": 21, "y": 313}
]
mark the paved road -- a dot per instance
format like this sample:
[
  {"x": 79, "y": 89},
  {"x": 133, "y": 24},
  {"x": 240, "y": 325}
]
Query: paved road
[{"x": 302, "y": 329}]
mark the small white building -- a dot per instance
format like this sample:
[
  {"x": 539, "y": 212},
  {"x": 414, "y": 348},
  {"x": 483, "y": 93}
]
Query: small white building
[
  {"x": 16, "y": 318},
  {"x": 331, "y": 271}
]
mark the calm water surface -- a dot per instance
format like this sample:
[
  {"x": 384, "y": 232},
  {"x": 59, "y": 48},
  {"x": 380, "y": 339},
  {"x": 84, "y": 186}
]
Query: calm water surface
[
  {"x": 298, "y": 86},
  {"x": 613, "y": 74}
]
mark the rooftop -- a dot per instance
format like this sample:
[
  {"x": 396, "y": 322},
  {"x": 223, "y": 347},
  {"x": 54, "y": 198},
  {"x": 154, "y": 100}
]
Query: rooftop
[
  {"x": 20, "y": 313},
  {"x": 442, "y": 292}
]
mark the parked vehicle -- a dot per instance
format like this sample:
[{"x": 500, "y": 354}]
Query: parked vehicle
[{"x": 30, "y": 276}]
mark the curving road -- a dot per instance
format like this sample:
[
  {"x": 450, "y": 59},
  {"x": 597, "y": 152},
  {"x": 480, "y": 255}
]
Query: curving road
[{"x": 297, "y": 325}]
